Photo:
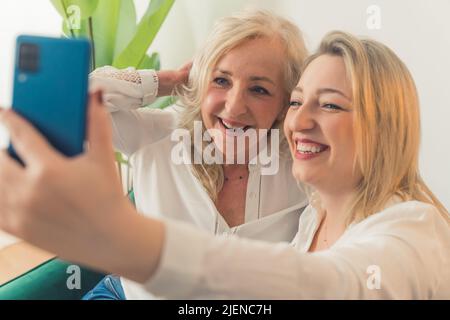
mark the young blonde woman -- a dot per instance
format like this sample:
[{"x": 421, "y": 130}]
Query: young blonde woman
[
  {"x": 373, "y": 228},
  {"x": 242, "y": 78}
]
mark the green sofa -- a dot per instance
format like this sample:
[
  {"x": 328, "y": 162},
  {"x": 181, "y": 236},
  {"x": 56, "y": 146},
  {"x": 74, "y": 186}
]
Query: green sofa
[{"x": 48, "y": 282}]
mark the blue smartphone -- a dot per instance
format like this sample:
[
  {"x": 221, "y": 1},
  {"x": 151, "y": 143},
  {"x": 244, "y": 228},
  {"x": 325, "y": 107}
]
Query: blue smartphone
[{"x": 51, "y": 89}]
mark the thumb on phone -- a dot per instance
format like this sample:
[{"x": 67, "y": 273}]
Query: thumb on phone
[{"x": 99, "y": 131}]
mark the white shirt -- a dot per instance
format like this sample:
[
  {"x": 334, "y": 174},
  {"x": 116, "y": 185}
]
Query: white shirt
[
  {"x": 402, "y": 252},
  {"x": 164, "y": 190}
]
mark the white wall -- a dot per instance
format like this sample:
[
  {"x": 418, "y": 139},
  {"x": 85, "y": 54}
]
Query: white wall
[{"x": 418, "y": 30}]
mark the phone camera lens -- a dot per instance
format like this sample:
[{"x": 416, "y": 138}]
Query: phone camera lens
[{"x": 28, "y": 57}]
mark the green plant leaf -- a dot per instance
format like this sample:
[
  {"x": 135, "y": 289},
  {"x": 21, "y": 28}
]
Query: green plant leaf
[
  {"x": 151, "y": 62},
  {"x": 72, "y": 18},
  {"x": 146, "y": 31},
  {"x": 87, "y": 7},
  {"x": 65, "y": 29},
  {"x": 104, "y": 29},
  {"x": 120, "y": 159},
  {"x": 126, "y": 27},
  {"x": 83, "y": 32},
  {"x": 162, "y": 102}
]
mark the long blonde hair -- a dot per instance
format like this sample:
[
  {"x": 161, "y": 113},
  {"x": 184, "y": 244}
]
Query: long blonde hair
[
  {"x": 386, "y": 124},
  {"x": 228, "y": 33}
]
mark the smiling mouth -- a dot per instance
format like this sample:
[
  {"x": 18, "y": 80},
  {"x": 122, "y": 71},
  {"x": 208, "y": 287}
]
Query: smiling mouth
[
  {"x": 310, "y": 148},
  {"x": 229, "y": 126}
]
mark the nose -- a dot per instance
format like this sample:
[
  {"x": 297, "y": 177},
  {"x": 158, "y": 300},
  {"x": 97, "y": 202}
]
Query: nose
[
  {"x": 301, "y": 118},
  {"x": 236, "y": 101}
]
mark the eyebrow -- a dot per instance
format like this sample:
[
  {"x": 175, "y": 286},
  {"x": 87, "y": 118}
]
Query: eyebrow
[
  {"x": 252, "y": 78},
  {"x": 324, "y": 90}
]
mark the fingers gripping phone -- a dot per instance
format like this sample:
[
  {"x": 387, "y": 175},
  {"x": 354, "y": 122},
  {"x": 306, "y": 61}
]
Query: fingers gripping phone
[{"x": 51, "y": 89}]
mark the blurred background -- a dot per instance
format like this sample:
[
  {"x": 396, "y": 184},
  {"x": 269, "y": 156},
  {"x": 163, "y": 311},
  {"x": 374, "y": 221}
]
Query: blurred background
[{"x": 417, "y": 30}]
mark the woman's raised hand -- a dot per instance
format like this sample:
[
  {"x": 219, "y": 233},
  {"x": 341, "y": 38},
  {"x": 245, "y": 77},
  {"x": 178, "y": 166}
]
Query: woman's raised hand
[{"x": 168, "y": 79}]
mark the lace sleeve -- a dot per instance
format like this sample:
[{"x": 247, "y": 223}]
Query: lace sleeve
[
  {"x": 125, "y": 89},
  {"x": 128, "y": 74}
]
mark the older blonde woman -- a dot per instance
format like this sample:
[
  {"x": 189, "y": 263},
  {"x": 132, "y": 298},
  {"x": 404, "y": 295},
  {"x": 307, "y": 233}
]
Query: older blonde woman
[
  {"x": 373, "y": 229},
  {"x": 241, "y": 78}
]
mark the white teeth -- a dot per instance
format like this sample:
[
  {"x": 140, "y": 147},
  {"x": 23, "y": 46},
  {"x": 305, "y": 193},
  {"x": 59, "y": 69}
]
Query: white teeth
[
  {"x": 229, "y": 126},
  {"x": 307, "y": 148}
]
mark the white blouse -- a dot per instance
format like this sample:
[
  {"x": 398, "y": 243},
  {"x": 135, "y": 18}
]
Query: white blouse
[
  {"x": 402, "y": 252},
  {"x": 166, "y": 190}
]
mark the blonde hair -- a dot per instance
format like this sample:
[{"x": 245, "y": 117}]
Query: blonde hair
[
  {"x": 228, "y": 33},
  {"x": 386, "y": 124}
]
